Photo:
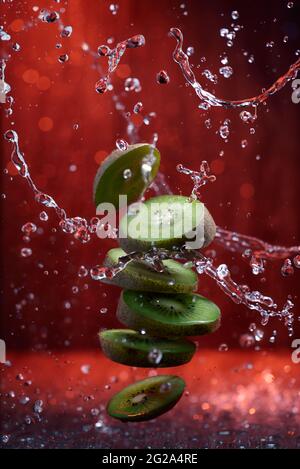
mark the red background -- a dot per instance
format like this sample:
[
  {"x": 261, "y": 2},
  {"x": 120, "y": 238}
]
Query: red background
[{"x": 67, "y": 97}]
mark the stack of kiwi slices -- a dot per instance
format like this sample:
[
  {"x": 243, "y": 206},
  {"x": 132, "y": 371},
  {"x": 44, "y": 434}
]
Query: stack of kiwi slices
[{"x": 159, "y": 308}]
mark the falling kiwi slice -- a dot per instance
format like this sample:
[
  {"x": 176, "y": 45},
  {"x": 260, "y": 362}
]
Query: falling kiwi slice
[
  {"x": 138, "y": 276},
  {"x": 127, "y": 172},
  {"x": 146, "y": 399},
  {"x": 168, "y": 315},
  {"x": 166, "y": 222},
  {"x": 134, "y": 349}
]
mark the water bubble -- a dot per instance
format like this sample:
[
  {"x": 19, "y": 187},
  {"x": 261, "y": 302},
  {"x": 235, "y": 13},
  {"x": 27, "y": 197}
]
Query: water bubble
[
  {"x": 85, "y": 369},
  {"x": 270, "y": 44},
  {"x": 165, "y": 387},
  {"x": 67, "y": 31},
  {"x": 246, "y": 116},
  {"x": 127, "y": 174},
  {"x": 83, "y": 271},
  {"x": 138, "y": 107},
  {"x": 162, "y": 77},
  {"x": 210, "y": 76},
  {"x": 132, "y": 84},
  {"x": 226, "y": 71},
  {"x": 121, "y": 144},
  {"x": 16, "y": 47},
  {"x": 103, "y": 310},
  {"x": 224, "y": 131},
  {"x": 43, "y": 216},
  {"x": 258, "y": 335},
  {"x": 190, "y": 51},
  {"x": 296, "y": 261},
  {"x": 113, "y": 8},
  {"x": 223, "y": 348},
  {"x": 5, "y": 439},
  {"x": 38, "y": 406},
  {"x": 251, "y": 59},
  {"x": 103, "y": 51},
  {"x": 49, "y": 17},
  {"x": 82, "y": 235},
  {"x": 246, "y": 340},
  {"x": 3, "y": 35},
  {"x": 101, "y": 85},
  {"x": 285, "y": 39},
  {"x": 244, "y": 143},
  {"x": 155, "y": 356},
  {"x": 29, "y": 228},
  {"x": 224, "y": 60},
  {"x": 26, "y": 252},
  {"x": 235, "y": 15},
  {"x": 135, "y": 41},
  {"x": 290, "y": 4},
  {"x": 98, "y": 273},
  {"x": 287, "y": 268},
  {"x": 63, "y": 58}
]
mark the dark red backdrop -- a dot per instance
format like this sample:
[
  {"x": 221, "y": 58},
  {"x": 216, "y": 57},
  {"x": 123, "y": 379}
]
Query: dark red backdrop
[{"x": 50, "y": 98}]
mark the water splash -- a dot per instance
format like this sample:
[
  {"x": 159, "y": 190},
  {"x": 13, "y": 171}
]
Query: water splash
[
  {"x": 182, "y": 59},
  {"x": 114, "y": 57}
]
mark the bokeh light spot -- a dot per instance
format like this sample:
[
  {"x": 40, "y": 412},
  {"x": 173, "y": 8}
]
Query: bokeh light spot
[
  {"x": 45, "y": 124},
  {"x": 247, "y": 190},
  {"x": 30, "y": 76}
]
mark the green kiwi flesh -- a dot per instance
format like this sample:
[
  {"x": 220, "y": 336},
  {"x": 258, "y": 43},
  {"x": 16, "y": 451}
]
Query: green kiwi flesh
[
  {"x": 137, "y": 276},
  {"x": 165, "y": 315},
  {"x": 163, "y": 227},
  {"x": 110, "y": 181},
  {"x": 134, "y": 349},
  {"x": 146, "y": 399}
]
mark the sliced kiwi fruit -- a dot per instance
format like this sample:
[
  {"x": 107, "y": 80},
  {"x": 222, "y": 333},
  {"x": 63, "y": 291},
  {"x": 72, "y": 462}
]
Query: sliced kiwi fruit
[
  {"x": 134, "y": 349},
  {"x": 138, "y": 276},
  {"x": 166, "y": 222},
  {"x": 146, "y": 399},
  {"x": 165, "y": 315},
  {"x": 127, "y": 172}
]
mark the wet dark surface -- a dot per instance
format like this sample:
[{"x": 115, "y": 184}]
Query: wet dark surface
[{"x": 233, "y": 400}]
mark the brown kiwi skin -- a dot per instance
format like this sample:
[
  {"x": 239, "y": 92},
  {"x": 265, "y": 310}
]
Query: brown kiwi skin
[
  {"x": 139, "y": 358},
  {"x": 131, "y": 245},
  {"x": 137, "y": 322},
  {"x": 131, "y": 282}
]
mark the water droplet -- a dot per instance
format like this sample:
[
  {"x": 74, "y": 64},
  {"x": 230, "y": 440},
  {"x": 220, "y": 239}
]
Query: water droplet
[
  {"x": 244, "y": 143},
  {"x": 155, "y": 356},
  {"x": 43, "y": 216},
  {"x": 290, "y": 4},
  {"x": 127, "y": 174},
  {"x": 5, "y": 439},
  {"x": 165, "y": 387},
  {"x": 287, "y": 268},
  {"x": 16, "y": 47},
  {"x": 63, "y": 58},
  {"x": 162, "y": 77},
  {"x": 67, "y": 31},
  {"x": 103, "y": 310},
  {"x": 98, "y": 273},
  {"x": 103, "y": 50},
  {"x": 29, "y": 228},
  {"x": 121, "y": 144},
  {"x": 235, "y": 15},
  {"x": 113, "y": 8},
  {"x": 190, "y": 51},
  {"x": 226, "y": 71},
  {"x": 246, "y": 340},
  {"x": 132, "y": 84},
  {"x": 296, "y": 261},
  {"x": 223, "y": 348},
  {"x": 83, "y": 271},
  {"x": 101, "y": 85},
  {"x": 138, "y": 107},
  {"x": 85, "y": 369},
  {"x": 38, "y": 406},
  {"x": 258, "y": 335},
  {"x": 26, "y": 252}
]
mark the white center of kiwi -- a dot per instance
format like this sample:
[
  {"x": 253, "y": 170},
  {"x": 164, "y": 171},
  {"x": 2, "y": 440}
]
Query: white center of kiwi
[{"x": 138, "y": 398}]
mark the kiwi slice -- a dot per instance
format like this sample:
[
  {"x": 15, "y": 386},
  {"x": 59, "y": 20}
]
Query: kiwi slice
[
  {"x": 146, "y": 399},
  {"x": 126, "y": 172},
  {"x": 165, "y": 222},
  {"x": 134, "y": 349},
  {"x": 166, "y": 315},
  {"x": 138, "y": 276}
]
